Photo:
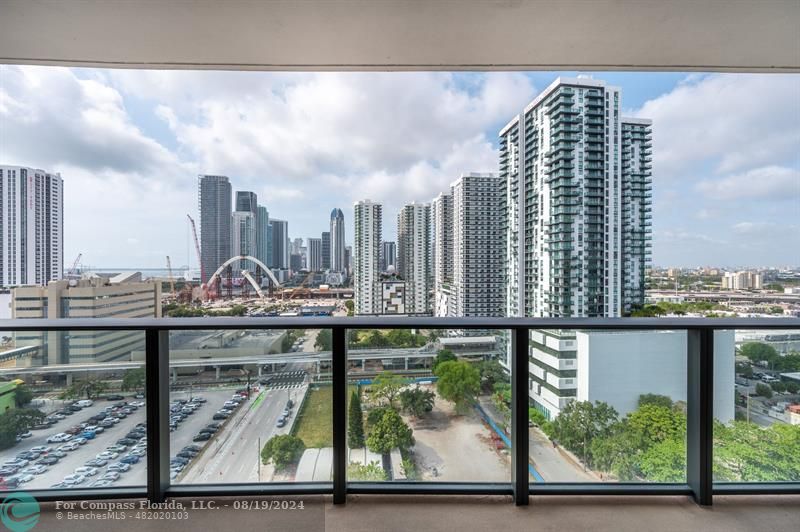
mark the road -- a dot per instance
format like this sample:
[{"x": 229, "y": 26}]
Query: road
[
  {"x": 233, "y": 455},
  {"x": 551, "y": 464}
]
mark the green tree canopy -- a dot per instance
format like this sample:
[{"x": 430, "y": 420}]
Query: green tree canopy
[
  {"x": 386, "y": 385},
  {"x": 459, "y": 382},
  {"x": 444, "y": 355},
  {"x": 580, "y": 422},
  {"x": 22, "y": 395},
  {"x": 91, "y": 387},
  {"x": 764, "y": 390},
  {"x": 665, "y": 461},
  {"x": 652, "y": 424},
  {"x": 389, "y": 432},
  {"x": 655, "y": 399},
  {"x": 324, "y": 341},
  {"x": 355, "y": 431},
  {"x": 133, "y": 379},
  {"x": 759, "y": 352},
  {"x": 282, "y": 450},
  {"x": 16, "y": 421},
  {"x": 416, "y": 401},
  {"x": 491, "y": 373},
  {"x": 369, "y": 472}
]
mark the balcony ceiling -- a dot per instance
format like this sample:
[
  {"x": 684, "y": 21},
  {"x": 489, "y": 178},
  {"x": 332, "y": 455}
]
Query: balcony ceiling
[{"x": 713, "y": 35}]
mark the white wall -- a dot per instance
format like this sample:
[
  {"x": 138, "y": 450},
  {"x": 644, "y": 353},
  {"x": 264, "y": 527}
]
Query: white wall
[{"x": 618, "y": 367}]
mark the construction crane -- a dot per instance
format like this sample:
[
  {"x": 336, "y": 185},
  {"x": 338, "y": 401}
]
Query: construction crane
[
  {"x": 171, "y": 277},
  {"x": 72, "y": 271},
  {"x": 197, "y": 249}
]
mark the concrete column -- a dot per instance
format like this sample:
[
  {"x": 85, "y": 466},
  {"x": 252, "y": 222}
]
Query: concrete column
[
  {"x": 216, "y": 369},
  {"x": 174, "y": 375},
  {"x": 259, "y": 369}
]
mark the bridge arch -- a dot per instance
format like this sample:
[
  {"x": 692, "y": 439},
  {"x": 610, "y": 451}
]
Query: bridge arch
[{"x": 231, "y": 260}]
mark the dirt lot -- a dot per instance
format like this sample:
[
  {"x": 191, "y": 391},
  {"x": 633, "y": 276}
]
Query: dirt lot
[{"x": 450, "y": 447}]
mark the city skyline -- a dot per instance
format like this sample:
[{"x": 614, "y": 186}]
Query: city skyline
[{"x": 726, "y": 184}]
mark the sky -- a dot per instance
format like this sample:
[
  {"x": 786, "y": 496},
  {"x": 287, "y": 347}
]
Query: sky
[{"x": 129, "y": 145}]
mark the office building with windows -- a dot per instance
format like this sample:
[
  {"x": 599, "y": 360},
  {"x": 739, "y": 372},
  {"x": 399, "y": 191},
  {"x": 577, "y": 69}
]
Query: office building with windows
[
  {"x": 280, "y": 244},
  {"x": 337, "y": 241},
  {"x": 326, "y": 250},
  {"x": 442, "y": 254},
  {"x": 263, "y": 236},
  {"x": 315, "y": 254},
  {"x": 31, "y": 226},
  {"x": 413, "y": 255},
  {"x": 388, "y": 255},
  {"x": 214, "y": 198},
  {"x": 575, "y": 204},
  {"x": 368, "y": 224},
  {"x": 243, "y": 238},
  {"x": 122, "y": 296}
]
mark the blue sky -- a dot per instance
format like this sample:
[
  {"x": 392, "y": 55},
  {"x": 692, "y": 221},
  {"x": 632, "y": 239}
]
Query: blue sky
[{"x": 130, "y": 144}]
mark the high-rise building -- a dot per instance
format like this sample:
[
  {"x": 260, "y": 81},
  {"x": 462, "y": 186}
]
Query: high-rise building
[
  {"x": 31, "y": 226},
  {"x": 337, "y": 240},
  {"x": 477, "y": 283},
  {"x": 348, "y": 260},
  {"x": 326, "y": 250},
  {"x": 247, "y": 202},
  {"x": 367, "y": 223},
  {"x": 122, "y": 296},
  {"x": 243, "y": 238},
  {"x": 315, "y": 254},
  {"x": 442, "y": 259},
  {"x": 576, "y": 198},
  {"x": 214, "y": 198},
  {"x": 280, "y": 244},
  {"x": 388, "y": 255},
  {"x": 743, "y": 280},
  {"x": 263, "y": 236},
  {"x": 295, "y": 262},
  {"x": 413, "y": 255}
]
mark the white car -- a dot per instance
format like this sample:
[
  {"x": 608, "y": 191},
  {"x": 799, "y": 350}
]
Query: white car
[
  {"x": 22, "y": 478},
  {"x": 138, "y": 403},
  {"x": 107, "y": 455},
  {"x": 74, "y": 479},
  {"x": 69, "y": 446},
  {"x": 94, "y": 428},
  {"x": 118, "y": 467},
  {"x": 110, "y": 475},
  {"x": 84, "y": 403},
  {"x": 86, "y": 471},
  {"x": 41, "y": 449},
  {"x": 138, "y": 451},
  {"x": 110, "y": 419},
  {"x": 34, "y": 470},
  {"x": 59, "y": 438},
  {"x": 80, "y": 441}
]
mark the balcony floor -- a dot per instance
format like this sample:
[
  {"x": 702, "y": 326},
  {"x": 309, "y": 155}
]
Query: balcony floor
[{"x": 379, "y": 513}]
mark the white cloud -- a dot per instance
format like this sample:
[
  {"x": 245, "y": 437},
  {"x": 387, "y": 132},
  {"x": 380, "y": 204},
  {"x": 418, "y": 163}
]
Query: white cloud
[
  {"x": 734, "y": 122},
  {"x": 770, "y": 182}
]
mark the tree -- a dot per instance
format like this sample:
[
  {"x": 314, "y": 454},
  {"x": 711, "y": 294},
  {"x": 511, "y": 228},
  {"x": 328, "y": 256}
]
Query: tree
[
  {"x": 491, "y": 372},
  {"x": 787, "y": 363},
  {"x": 459, "y": 382},
  {"x": 792, "y": 387},
  {"x": 582, "y": 421},
  {"x": 759, "y": 352},
  {"x": 369, "y": 472},
  {"x": 444, "y": 355},
  {"x": 22, "y": 395},
  {"x": 324, "y": 341},
  {"x": 16, "y": 421},
  {"x": 387, "y": 385},
  {"x": 282, "y": 450},
  {"x": 778, "y": 387},
  {"x": 133, "y": 379},
  {"x": 350, "y": 307},
  {"x": 651, "y": 424},
  {"x": 389, "y": 432},
  {"x": 665, "y": 461},
  {"x": 764, "y": 390},
  {"x": 416, "y": 401},
  {"x": 654, "y": 399},
  {"x": 617, "y": 453},
  {"x": 400, "y": 338},
  {"x": 355, "y": 431},
  {"x": 90, "y": 387},
  {"x": 536, "y": 417},
  {"x": 746, "y": 371}
]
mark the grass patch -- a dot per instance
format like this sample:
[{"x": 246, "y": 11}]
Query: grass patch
[{"x": 315, "y": 421}]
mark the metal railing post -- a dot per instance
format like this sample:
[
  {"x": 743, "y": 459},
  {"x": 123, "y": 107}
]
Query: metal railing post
[
  {"x": 700, "y": 414},
  {"x": 339, "y": 397},
  {"x": 519, "y": 415},
  {"x": 157, "y": 395}
]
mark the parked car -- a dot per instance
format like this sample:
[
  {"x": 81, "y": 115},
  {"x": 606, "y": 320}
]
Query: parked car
[
  {"x": 88, "y": 434},
  {"x": 185, "y": 454},
  {"x": 69, "y": 446},
  {"x": 107, "y": 455},
  {"x": 101, "y": 483},
  {"x": 80, "y": 440},
  {"x": 21, "y": 478},
  {"x": 86, "y": 471},
  {"x": 41, "y": 449},
  {"x": 118, "y": 466},
  {"x": 203, "y": 436},
  {"x": 117, "y": 448},
  {"x": 97, "y": 462},
  {"x": 130, "y": 459},
  {"x": 26, "y": 434},
  {"x": 94, "y": 428},
  {"x": 110, "y": 476},
  {"x": 84, "y": 403},
  {"x": 48, "y": 460},
  {"x": 74, "y": 479},
  {"x": 281, "y": 422},
  {"x": 114, "y": 397},
  {"x": 34, "y": 470},
  {"x": 219, "y": 416},
  {"x": 179, "y": 460},
  {"x": 126, "y": 441},
  {"x": 7, "y": 471},
  {"x": 138, "y": 451}
]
